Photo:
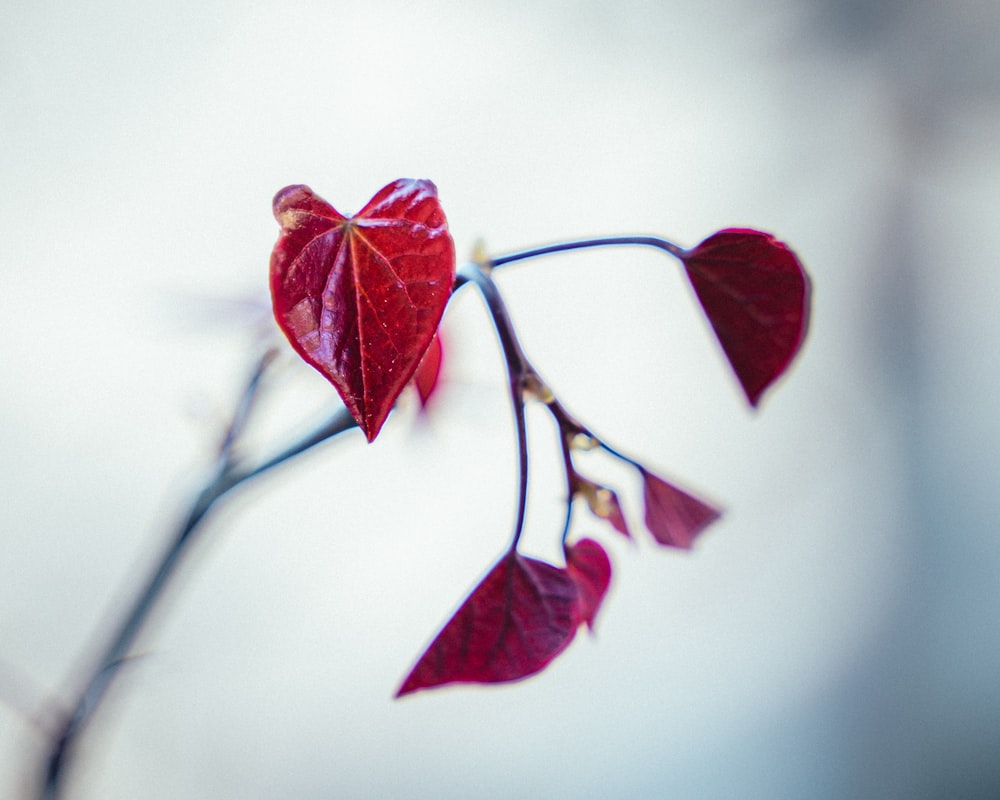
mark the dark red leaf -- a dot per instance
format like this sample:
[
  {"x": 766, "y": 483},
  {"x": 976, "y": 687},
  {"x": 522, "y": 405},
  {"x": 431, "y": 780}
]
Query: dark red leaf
[
  {"x": 523, "y": 614},
  {"x": 429, "y": 370},
  {"x": 756, "y": 295},
  {"x": 674, "y": 517},
  {"x": 360, "y": 297},
  {"x": 588, "y": 565}
]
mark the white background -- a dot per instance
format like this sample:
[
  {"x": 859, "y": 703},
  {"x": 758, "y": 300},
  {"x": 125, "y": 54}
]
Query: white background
[{"x": 834, "y": 636}]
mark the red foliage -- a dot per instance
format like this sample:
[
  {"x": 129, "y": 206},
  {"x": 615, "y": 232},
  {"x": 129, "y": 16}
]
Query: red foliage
[
  {"x": 588, "y": 565},
  {"x": 360, "y": 297},
  {"x": 521, "y": 616},
  {"x": 756, "y": 295},
  {"x": 425, "y": 379},
  {"x": 604, "y": 504},
  {"x": 674, "y": 517}
]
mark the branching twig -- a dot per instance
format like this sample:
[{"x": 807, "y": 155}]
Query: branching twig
[{"x": 229, "y": 474}]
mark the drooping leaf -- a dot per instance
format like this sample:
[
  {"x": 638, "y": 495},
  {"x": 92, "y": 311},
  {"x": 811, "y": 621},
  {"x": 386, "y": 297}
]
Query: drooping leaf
[
  {"x": 755, "y": 293},
  {"x": 589, "y": 566},
  {"x": 603, "y": 503},
  {"x": 673, "y": 516},
  {"x": 521, "y": 616},
  {"x": 425, "y": 379},
  {"x": 360, "y": 297}
]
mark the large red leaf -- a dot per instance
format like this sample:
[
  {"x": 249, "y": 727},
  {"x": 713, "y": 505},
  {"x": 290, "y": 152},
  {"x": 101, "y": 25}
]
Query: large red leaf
[
  {"x": 756, "y": 295},
  {"x": 521, "y": 616},
  {"x": 360, "y": 297},
  {"x": 590, "y": 568},
  {"x": 674, "y": 517}
]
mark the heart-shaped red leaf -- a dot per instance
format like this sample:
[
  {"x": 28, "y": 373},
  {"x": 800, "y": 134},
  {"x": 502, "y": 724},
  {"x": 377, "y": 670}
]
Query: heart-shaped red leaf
[
  {"x": 674, "y": 517},
  {"x": 360, "y": 297},
  {"x": 521, "y": 616},
  {"x": 756, "y": 295},
  {"x": 590, "y": 568}
]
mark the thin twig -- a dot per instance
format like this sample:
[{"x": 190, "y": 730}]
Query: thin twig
[{"x": 242, "y": 413}]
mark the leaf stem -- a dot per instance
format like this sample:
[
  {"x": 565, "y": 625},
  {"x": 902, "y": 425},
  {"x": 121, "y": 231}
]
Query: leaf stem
[
  {"x": 580, "y": 244},
  {"x": 525, "y": 379},
  {"x": 519, "y": 373},
  {"x": 620, "y": 456},
  {"x": 566, "y": 434},
  {"x": 229, "y": 474},
  {"x": 522, "y": 461},
  {"x": 577, "y": 244}
]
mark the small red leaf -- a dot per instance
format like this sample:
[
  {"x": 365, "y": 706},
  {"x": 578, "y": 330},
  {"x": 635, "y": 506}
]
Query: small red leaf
[
  {"x": 588, "y": 565},
  {"x": 360, "y": 297},
  {"x": 604, "y": 504},
  {"x": 756, "y": 295},
  {"x": 428, "y": 371},
  {"x": 521, "y": 616},
  {"x": 674, "y": 517}
]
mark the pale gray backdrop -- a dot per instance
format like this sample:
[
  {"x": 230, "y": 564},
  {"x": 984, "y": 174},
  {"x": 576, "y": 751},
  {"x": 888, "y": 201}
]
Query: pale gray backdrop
[{"x": 834, "y": 636}]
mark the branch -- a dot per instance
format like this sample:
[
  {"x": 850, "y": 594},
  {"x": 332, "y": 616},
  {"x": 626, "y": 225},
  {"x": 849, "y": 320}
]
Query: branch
[
  {"x": 229, "y": 475},
  {"x": 519, "y": 373}
]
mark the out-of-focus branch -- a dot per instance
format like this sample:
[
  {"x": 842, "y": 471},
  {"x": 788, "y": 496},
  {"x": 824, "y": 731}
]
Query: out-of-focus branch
[{"x": 229, "y": 474}]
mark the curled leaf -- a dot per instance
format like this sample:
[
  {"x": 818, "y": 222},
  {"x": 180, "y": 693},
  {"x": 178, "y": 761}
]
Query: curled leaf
[
  {"x": 360, "y": 297},
  {"x": 755, "y": 293},
  {"x": 590, "y": 568},
  {"x": 603, "y": 503},
  {"x": 674, "y": 517},
  {"x": 521, "y": 616}
]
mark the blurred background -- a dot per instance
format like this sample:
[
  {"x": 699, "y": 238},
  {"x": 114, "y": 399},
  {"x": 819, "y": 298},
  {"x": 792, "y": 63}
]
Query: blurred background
[{"x": 835, "y": 635}]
